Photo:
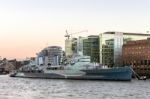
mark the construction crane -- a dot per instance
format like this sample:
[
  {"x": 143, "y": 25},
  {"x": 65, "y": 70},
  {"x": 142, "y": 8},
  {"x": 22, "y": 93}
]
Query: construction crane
[{"x": 70, "y": 35}]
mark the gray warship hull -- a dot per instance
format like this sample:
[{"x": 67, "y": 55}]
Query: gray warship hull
[{"x": 114, "y": 74}]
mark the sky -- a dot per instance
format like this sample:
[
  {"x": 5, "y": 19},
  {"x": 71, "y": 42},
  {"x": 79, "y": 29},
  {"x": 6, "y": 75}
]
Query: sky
[{"x": 27, "y": 26}]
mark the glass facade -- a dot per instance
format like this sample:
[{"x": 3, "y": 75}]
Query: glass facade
[
  {"x": 91, "y": 48},
  {"x": 110, "y": 46},
  {"x": 80, "y": 45},
  {"x": 50, "y": 55},
  {"x": 106, "y": 49}
]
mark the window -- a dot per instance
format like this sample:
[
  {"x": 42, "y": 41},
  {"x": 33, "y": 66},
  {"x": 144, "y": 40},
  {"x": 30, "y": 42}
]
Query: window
[
  {"x": 148, "y": 62},
  {"x": 145, "y": 62},
  {"x": 141, "y": 62}
]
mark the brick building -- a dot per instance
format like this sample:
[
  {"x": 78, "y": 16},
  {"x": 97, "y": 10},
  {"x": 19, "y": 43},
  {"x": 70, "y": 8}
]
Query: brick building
[{"x": 137, "y": 54}]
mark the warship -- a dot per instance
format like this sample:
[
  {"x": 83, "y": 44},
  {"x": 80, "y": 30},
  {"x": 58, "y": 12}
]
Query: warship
[{"x": 78, "y": 67}]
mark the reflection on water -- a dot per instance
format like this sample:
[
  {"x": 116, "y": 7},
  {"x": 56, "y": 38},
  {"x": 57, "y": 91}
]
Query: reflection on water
[{"x": 24, "y": 88}]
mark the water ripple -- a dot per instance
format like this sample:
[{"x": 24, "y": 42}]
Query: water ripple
[{"x": 24, "y": 88}]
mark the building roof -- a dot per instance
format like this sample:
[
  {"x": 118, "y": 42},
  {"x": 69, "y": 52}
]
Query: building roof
[
  {"x": 93, "y": 36},
  {"x": 128, "y": 33},
  {"x": 53, "y": 47}
]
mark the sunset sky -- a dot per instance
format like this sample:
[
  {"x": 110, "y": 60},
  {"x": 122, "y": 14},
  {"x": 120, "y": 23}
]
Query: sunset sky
[{"x": 26, "y": 26}]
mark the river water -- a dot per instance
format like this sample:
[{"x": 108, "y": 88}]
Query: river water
[{"x": 25, "y": 88}]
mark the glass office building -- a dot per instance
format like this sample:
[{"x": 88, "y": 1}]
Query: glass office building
[
  {"x": 88, "y": 46},
  {"x": 51, "y": 55},
  {"x": 91, "y": 47},
  {"x": 110, "y": 46},
  {"x": 80, "y": 45}
]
